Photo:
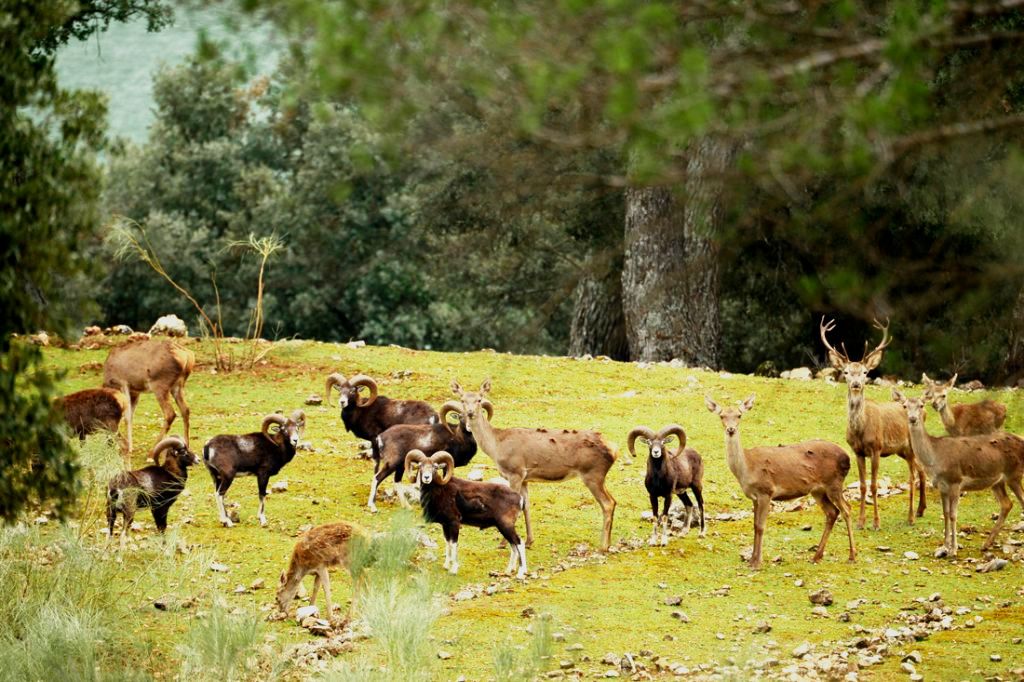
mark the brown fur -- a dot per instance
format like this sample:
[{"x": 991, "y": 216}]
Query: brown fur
[
  {"x": 966, "y": 463},
  {"x": 316, "y": 551},
  {"x": 874, "y": 430},
  {"x": 159, "y": 366},
  {"x": 92, "y": 409},
  {"x": 524, "y": 455},
  {"x": 814, "y": 467},
  {"x": 966, "y": 419}
]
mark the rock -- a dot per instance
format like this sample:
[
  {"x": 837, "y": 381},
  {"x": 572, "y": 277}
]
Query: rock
[
  {"x": 314, "y": 399},
  {"x": 762, "y": 628},
  {"x": 611, "y": 659},
  {"x": 941, "y": 552},
  {"x": 822, "y": 597},
  {"x": 161, "y": 604},
  {"x": 257, "y": 584},
  {"x": 92, "y": 330},
  {"x": 801, "y": 374},
  {"x": 912, "y": 556},
  {"x": 766, "y": 369},
  {"x": 218, "y": 567},
  {"x": 464, "y": 595},
  {"x": 913, "y": 657},
  {"x": 240, "y": 589},
  {"x": 475, "y": 475},
  {"x": 973, "y": 385},
  {"x": 995, "y": 658},
  {"x": 908, "y": 668},
  {"x": 279, "y": 487},
  {"x": 611, "y": 673},
  {"x": 444, "y": 655},
  {"x": 304, "y": 612},
  {"x": 827, "y": 373},
  {"x": 994, "y": 565},
  {"x": 673, "y": 601},
  {"x": 169, "y": 325},
  {"x": 883, "y": 548},
  {"x": 820, "y": 611},
  {"x": 40, "y": 339},
  {"x": 802, "y": 650},
  {"x": 120, "y": 330},
  {"x": 356, "y": 344},
  {"x": 681, "y": 617},
  {"x": 566, "y": 665}
]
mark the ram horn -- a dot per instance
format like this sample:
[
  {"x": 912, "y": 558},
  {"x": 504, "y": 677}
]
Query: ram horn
[
  {"x": 677, "y": 431},
  {"x": 363, "y": 380},
  {"x": 414, "y": 457},
  {"x": 442, "y": 457},
  {"x": 447, "y": 409},
  {"x": 636, "y": 433},
  {"x": 488, "y": 408},
  {"x": 171, "y": 441},
  {"x": 335, "y": 379},
  {"x": 275, "y": 418},
  {"x": 299, "y": 417}
]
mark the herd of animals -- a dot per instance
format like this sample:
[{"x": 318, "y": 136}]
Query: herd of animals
[{"x": 410, "y": 435}]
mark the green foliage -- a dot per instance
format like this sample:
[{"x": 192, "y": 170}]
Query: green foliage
[
  {"x": 221, "y": 646},
  {"x": 511, "y": 664}
]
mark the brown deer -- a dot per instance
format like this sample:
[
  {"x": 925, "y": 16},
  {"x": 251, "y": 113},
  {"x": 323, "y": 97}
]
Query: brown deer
[
  {"x": 873, "y": 429},
  {"x": 965, "y": 463},
  {"x": 162, "y": 367},
  {"x": 968, "y": 419},
  {"x": 786, "y": 472},
  {"x": 525, "y": 455}
]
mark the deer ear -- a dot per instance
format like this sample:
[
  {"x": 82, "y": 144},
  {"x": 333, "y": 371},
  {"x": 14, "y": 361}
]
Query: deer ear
[
  {"x": 456, "y": 388},
  {"x": 747, "y": 404},
  {"x": 283, "y": 579},
  {"x": 485, "y": 387},
  {"x": 873, "y": 360},
  {"x": 952, "y": 382},
  {"x": 924, "y": 379},
  {"x": 899, "y": 397},
  {"x": 711, "y": 405},
  {"x": 835, "y": 360}
]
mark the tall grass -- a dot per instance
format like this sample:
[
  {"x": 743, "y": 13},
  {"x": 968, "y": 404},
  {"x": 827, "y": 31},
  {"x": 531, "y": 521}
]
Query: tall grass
[
  {"x": 221, "y": 646},
  {"x": 517, "y": 663}
]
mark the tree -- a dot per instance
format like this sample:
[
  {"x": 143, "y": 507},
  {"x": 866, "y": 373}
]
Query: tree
[
  {"x": 832, "y": 111},
  {"x": 48, "y": 196}
]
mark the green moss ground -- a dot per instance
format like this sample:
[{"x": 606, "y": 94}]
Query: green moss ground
[{"x": 612, "y": 606}]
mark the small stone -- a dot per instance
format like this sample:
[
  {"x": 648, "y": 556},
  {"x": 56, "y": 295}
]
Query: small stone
[
  {"x": 1017, "y": 640},
  {"x": 820, "y": 611},
  {"x": 762, "y": 628},
  {"x": 680, "y": 616},
  {"x": 240, "y": 589},
  {"x": 257, "y": 584},
  {"x": 314, "y": 399},
  {"x": 908, "y": 668},
  {"x": 464, "y": 595},
  {"x": 611, "y": 659},
  {"x": 611, "y": 673},
  {"x": 673, "y": 601},
  {"x": 913, "y": 657},
  {"x": 994, "y": 565},
  {"x": 574, "y": 647},
  {"x": 160, "y": 604},
  {"x": 995, "y": 658},
  {"x": 802, "y": 650},
  {"x": 719, "y": 635},
  {"x": 219, "y": 567},
  {"x": 444, "y": 655},
  {"x": 822, "y": 597},
  {"x": 475, "y": 475},
  {"x": 912, "y": 556},
  {"x": 304, "y": 612},
  {"x": 798, "y": 582},
  {"x": 883, "y": 548},
  {"x": 941, "y": 552},
  {"x": 566, "y": 665},
  {"x": 279, "y": 487}
]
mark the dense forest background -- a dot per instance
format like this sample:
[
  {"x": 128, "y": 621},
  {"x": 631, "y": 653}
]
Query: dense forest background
[{"x": 716, "y": 229}]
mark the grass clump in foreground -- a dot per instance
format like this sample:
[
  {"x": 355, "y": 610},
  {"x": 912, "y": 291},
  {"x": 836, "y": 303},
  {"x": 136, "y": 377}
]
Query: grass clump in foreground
[{"x": 613, "y": 604}]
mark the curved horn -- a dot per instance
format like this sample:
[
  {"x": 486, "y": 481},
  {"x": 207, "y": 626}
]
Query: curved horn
[
  {"x": 171, "y": 441},
  {"x": 414, "y": 457},
  {"x": 363, "y": 380},
  {"x": 299, "y": 417},
  {"x": 275, "y": 418},
  {"x": 636, "y": 433},
  {"x": 335, "y": 379},
  {"x": 447, "y": 409},
  {"x": 678, "y": 432},
  {"x": 488, "y": 408},
  {"x": 442, "y": 457}
]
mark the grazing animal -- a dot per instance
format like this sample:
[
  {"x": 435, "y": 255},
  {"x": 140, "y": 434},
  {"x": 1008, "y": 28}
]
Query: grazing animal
[
  {"x": 396, "y": 442},
  {"x": 786, "y": 472},
  {"x": 369, "y": 417},
  {"x": 524, "y": 455},
  {"x": 317, "y": 551},
  {"x": 156, "y": 486},
  {"x": 262, "y": 454},
  {"x": 454, "y": 502},
  {"x": 874, "y": 430},
  {"x": 968, "y": 419},
  {"x": 958, "y": 464},
  {"x": 93, "y": 409},
  {"x": 162, "y": 367},
  {"x": 670, "y": 473}
]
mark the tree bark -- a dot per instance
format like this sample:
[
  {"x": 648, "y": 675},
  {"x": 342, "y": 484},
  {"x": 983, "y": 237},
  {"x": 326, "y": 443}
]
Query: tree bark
[
  {"x": 1013, "y": 369},
  {"x": 598, "y": 323},
  {"x": 670, "y": 279}
]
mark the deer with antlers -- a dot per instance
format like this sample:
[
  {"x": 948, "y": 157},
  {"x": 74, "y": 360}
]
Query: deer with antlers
[
  {"x": 873, "y": 430},
  {"x": 525, "y": 455},
  {"x": 966, "y": 419}
]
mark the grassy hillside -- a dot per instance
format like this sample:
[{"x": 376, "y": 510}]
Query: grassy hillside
[{"x": 610, "y": 604}]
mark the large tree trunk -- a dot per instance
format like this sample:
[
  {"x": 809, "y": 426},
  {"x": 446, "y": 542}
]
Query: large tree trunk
[
  {"x": 670, "y": 280},
  {"x": 598, "y": 324}
]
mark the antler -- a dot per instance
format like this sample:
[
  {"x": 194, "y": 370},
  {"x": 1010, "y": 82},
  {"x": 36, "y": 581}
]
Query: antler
[
  {"x": 637, "y": 433},
  {"x": 873, "y": 358},
  {"x": 834, "y": 355}
]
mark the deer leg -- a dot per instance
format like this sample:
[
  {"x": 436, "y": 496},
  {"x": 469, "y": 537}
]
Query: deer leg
[
  {"x": 656, "y": 520},
  {"x": 1018, "y": 491},
  {"x": 875, "y": 461},
  {"x": 261, "y": 482},
  {"x": 325, "y": 578},
  {"x": 944, "y": 499},
  {"x": 688, "y": 506},
  {"x": 1005, "y": 505},
  {"x": 169, "y": 414},
  {"x": 922, "y": 501},
  {"x": 133, "y": 400},
  {"x": 316, "y": 588},
  {"x": 831, "y": 514},
  {"x": 836, "y": 497},
  {"x": 607, "y": 502},
  {"x": 910, "y": 491},
  {"x": 762, "y": 505},
  {"x": 516, "y": 482},
  {"x": 699, "y": 495},
  {"x": 861, "y": 464},
  {"x": 186, "y": 413},
  {"x": 954, "y": 503},
  {"x": 378, "y": 477}
]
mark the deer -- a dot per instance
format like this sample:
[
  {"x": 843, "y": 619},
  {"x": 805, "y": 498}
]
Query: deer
[
  {"x": 523, "y": 455},
  {"x": 958, "y": 464},
  {"x": 786, "y": 472},
  {"x": 159, "y": 366},
  {"x": 873, "y": 430},
  {"x": 969, "y": 419}
]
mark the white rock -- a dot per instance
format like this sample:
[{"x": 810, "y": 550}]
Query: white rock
[
  {"x": 356, "y": 344},
  {"x": 464, "y": 595},
  {"x": 219, "y": 567},
  {"x": 802, "y": 650},
  {"x": 475, "y": 475},
  {"x": 800, "y": 374},
  {"x": 912, "y": 556},
  {"x": 279, "y": 487},
  {"x": 169, "y": 325},
  {"x": 304, "y": 612}
]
